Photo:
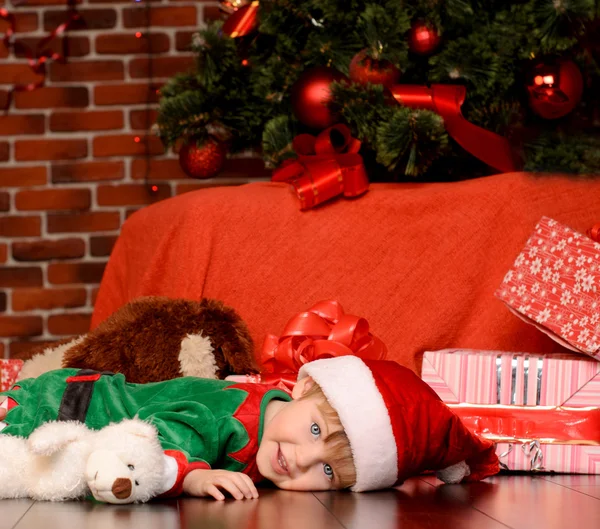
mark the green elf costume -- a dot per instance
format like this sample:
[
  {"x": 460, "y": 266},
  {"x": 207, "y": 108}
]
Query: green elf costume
[{"x": 202, "y": 423}]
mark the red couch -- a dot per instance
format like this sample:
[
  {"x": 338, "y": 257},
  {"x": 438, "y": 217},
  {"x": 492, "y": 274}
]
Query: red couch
[{"x": 420, "y": 261}]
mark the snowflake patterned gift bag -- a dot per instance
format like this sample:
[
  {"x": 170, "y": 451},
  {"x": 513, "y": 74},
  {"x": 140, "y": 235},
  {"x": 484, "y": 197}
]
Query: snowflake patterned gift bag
[
  {"x": 555, "y": 285},
  {"x": 9, "y": 370}
]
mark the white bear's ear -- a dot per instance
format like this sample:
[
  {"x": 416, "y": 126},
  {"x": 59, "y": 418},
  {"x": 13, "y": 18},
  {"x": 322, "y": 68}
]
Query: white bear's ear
[
  {"x": 138, "y": 427},
  {"x": 454, "y": 473}
]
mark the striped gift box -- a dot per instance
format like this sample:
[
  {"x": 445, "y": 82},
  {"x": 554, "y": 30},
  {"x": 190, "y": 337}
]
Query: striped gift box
[
  {"x": 554, "y": 284},
  {"x": 9, "y": 370},
  {"x": 496, "y": 378}
]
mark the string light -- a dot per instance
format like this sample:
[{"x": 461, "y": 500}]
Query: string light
[
  {"x": 544, "y": 79},
  {"x": 152, "y": 188}
]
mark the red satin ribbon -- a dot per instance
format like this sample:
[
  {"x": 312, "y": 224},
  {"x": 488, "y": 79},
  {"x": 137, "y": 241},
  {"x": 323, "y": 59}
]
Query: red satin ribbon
[
  {"x": 594, "y": 232},
  {"x": 37, "y": 61},
  {"x": 283, "y": 381},
  {"x": 324, "y": 331},
  {"x": 243, "y": 21},
  {"x": 327, "y": 165},
  {"x": 446, "y": 101},
  {"x": 547, "y": 424}
]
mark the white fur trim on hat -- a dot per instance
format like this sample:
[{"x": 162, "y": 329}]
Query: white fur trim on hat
[{"x": 350, "y": 388}]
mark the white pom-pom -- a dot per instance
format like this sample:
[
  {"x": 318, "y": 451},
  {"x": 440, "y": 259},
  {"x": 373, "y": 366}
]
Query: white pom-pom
[{"x": 454, "y": 473}]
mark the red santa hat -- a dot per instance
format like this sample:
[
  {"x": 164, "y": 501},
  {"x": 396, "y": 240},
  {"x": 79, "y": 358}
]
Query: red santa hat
[{"x": 397, "y": 425}]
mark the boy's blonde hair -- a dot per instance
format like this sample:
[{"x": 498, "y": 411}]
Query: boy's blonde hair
[{"x": 339, "y": 454}]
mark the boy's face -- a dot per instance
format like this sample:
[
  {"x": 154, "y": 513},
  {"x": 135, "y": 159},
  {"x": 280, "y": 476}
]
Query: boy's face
[{"x": 292, "y": 451}]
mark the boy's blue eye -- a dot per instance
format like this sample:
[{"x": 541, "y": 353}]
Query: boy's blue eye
[
  {"x": 328, "y": 470},
  {"x": 314, "y": 429}
]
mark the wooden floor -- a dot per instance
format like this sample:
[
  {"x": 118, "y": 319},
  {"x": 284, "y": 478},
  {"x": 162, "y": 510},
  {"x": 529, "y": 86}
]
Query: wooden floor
[{"x": 515, "y": 501}]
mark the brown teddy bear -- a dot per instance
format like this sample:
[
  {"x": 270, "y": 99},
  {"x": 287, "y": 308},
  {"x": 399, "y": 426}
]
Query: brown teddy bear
[{"x": 157, "y": 338}]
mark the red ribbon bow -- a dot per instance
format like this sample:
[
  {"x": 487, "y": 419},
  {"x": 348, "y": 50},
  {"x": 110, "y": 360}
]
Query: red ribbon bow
[
  {"x": 324, "y": 331},
  {"x": 594, "y": 232},
  {"x": 446, "y": 101},
  {"x": 327, "y": 165}
]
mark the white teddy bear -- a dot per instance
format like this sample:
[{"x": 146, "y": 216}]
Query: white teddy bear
[{"x": 121, "y": 463}]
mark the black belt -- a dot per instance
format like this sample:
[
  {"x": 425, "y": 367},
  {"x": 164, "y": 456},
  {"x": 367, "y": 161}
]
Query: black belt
[{"x": 78, "y": 395}]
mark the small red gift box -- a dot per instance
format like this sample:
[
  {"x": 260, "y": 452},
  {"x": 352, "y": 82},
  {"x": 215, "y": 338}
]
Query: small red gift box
[
  {"x": 554, "y": 284},
  {"x": 9, "y": 370}
]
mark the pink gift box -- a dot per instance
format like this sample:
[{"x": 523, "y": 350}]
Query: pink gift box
[
  {"x": 9, "y": 370},
  {"x": 500, "y": 379},
  {"x": 554, "y": 284}
]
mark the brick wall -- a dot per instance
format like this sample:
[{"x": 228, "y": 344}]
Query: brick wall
[{"x": 72, "y": 154}]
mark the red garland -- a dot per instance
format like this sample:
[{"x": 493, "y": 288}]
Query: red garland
[
  {"x": 327, "y": 165},
  {"x": 37, "y": 61},
  {"x": 446, "y": 100}
]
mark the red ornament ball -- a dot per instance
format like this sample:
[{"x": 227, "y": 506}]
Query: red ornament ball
[
  {"x": 364, "y": 69},
  {"x": 555, "y": 88},
  {"x": 203, "y": 160},
  {"x": 311, "y": 94},
  {"x": 423, "y": 38}
]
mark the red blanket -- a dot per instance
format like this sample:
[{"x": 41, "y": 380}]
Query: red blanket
[{"x": 419, "y": 261}]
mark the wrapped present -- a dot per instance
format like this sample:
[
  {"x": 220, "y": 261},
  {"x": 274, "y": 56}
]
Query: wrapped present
[
  {"x": 543, "y": 411},
  {"x": 554, "y": 284},
  {"x": 9, "y": 370}
]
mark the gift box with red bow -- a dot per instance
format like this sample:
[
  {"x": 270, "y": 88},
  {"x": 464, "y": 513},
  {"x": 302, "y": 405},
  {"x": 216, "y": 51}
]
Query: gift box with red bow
[
  {"x": 9, "y": 370},
  {"x": 554, "y": 284},
  {"x": 543, "y": 411}
]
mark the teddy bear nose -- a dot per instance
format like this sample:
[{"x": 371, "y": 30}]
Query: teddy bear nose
[{"x": 122, "y": 488}]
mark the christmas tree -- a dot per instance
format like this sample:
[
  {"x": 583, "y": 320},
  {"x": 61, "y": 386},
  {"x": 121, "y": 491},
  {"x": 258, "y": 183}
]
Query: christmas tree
[{"x": 433, "y": 89}]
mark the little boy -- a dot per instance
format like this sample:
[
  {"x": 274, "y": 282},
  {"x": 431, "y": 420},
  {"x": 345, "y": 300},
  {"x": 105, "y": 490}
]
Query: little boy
[{"x": 348, "y": 423}]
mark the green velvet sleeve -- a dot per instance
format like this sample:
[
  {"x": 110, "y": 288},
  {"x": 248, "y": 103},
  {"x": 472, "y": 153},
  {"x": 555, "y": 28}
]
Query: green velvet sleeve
[{"x": 185, "y": 426}]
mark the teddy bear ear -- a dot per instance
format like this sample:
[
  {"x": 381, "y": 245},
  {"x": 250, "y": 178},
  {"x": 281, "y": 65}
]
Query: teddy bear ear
[
  {"x": 138, "y": 427},
  {"x": 454, "y": 473}
]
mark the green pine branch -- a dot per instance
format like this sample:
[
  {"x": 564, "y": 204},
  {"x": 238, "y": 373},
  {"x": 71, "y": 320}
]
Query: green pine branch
[{"x": 241, "y": 87}]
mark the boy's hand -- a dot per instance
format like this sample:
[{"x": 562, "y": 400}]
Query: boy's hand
[
  {"x": 201, "y": 482},
  {"x": 2, "y": 410}
]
